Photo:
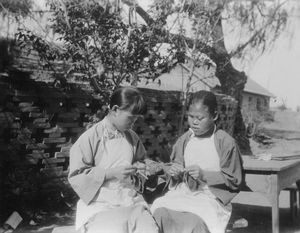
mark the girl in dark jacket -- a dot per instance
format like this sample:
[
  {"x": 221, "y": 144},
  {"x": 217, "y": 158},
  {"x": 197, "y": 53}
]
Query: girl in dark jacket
[{"x": 206, "y": 173}]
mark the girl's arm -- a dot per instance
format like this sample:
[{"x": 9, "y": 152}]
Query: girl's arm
[
  {"x": 139, "y": 151},
  {"x": 231, "y": 168},
  {"x": 84, "y": 177},
  {"x": 178, "y": 150}
]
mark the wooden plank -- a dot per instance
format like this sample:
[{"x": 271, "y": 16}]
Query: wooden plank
[
  {"x": 50, "y": 165},
  {"x": 25, "y": 104},
  {"x": 62, "y": 154},
  {"x": 68, "y": 124},
  {"x": 65, "y": 229},
  {"x": 42, "y": 125},
  {"x": 53, "y": 160},
  {"x": 38, "y": 155},
  {"x": 54, "y": 135},
  {"x": 40, "y": 120},
  {"x": 67, "y": 144},
  {"x": 25, "y": 140},
  {"x": 65, "y": 149},
  {"x": 53, "y": 172},
  {"x": 30, "y": 160},
  {"x": 77, "y": 130},
  {"x": 36, "y": 114},
  {"x": 55, "y": 129},
  {"x": 36, "y": 146},
  {"x": 54, "y": 140},
  {"x": 37, "y": 151},
  {"x": 252, "y": 164},
  {"x": 30, "y": 109}
]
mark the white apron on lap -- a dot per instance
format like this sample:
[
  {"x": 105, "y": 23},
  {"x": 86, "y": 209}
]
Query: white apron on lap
[
  {"x": 114, "y": 193},
  {"x": 201, "y": 152}
]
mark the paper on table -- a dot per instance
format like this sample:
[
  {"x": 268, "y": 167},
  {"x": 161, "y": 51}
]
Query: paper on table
[
  {"x": 264, "y": 156},
  {"x": 286, "y": 157}
]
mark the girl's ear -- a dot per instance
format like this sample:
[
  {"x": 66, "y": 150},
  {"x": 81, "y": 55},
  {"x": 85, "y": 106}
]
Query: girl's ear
[
  {"x": 114, "y": 108},
  {"x": 216, "y": 116}
]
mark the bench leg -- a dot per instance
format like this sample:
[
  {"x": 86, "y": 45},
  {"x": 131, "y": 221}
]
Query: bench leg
[{"x": 293, "y": 205}]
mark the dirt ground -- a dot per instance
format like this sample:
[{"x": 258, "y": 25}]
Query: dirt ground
[{"x": 252, "y": 207}]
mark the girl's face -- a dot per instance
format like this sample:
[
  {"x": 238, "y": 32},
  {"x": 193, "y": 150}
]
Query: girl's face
[
  {"x": 199, "y": 119},
  {"x": 123, "y": 119}
]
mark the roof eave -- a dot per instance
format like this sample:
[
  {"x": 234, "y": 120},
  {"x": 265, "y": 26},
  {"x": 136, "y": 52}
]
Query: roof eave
[{"x": 256, "y": 93}]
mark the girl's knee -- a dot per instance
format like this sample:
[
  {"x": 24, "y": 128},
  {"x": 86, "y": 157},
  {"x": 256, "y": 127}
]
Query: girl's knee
[
  {"x": 160, "y": 212},
  {"x": 142, "y": 221}
]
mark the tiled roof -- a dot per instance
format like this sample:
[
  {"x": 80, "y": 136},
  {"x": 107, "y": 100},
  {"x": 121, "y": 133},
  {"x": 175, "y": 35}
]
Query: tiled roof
[{"x": 255, "y": 88}]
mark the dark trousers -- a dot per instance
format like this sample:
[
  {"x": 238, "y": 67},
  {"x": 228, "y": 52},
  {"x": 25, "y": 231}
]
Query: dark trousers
[{"x": 170, "y": 221}]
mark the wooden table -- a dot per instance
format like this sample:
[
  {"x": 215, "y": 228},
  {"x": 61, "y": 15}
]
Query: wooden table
[{"x": 269, "y": 178}]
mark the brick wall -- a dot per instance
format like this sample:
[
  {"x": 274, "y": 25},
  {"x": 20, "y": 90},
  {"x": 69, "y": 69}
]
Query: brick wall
[
  {"x": 44, "y": 121},
  {"x": 38, "y": 125}
]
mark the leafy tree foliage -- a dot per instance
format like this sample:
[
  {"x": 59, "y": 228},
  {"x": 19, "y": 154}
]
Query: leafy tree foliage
[
  {"x": 99, "y": 46},
  {"x": 15, "y": 7}
]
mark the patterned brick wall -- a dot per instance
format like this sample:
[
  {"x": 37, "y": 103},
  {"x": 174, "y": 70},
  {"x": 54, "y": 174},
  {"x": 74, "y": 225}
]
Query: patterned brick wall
[
  {"x": 54, "y": 119},
  {"x": 38, "y": 124}
]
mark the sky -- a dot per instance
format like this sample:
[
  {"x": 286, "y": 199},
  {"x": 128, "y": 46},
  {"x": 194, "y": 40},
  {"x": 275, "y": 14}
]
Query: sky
[{"x": 279, "y": 69}]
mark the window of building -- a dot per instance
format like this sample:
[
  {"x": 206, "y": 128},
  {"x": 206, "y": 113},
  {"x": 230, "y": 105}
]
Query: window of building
[
  {"x": 266, "y": 102},
  {"x": 258, "y": 104}
]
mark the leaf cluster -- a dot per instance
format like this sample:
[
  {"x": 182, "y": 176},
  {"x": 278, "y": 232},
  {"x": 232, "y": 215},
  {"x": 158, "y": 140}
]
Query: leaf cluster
[
  {"x": 15, "y": 7},
  {"x": 98, "y": 45}
]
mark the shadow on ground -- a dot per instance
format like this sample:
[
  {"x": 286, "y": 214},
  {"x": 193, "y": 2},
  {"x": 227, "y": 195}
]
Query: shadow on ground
[
  {"x": 259, "y": 219},
  {"x": 51, "y": 221}
]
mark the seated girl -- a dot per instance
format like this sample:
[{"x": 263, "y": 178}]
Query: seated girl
[
  {"x": 206, "y": 172},
  {"x": 102, "y": 161}
]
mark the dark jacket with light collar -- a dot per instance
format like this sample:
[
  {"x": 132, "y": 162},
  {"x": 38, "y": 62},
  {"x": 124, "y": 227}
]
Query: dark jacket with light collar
[{"x": 224, "y": 184}]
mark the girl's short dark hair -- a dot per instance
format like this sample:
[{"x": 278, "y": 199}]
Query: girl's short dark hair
[
  {"x": 129, "y": 99},
  {"x": 207, "y": 98}
]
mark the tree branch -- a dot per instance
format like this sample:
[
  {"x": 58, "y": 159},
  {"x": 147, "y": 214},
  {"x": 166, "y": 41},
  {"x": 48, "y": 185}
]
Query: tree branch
[
  {"x": 256, "y": 33},
  {"x": 145, "y": 16}
]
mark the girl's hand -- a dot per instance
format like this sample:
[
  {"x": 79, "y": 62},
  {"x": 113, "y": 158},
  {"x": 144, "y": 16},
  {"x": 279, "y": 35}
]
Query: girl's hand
[
  {"x": 139, "y": 166},
  {"x": 176, "y": 169},
  {"x": 120, "y": 172},
  {"x": 142, "y": 169},
  {"x": 195, "y": 171}
]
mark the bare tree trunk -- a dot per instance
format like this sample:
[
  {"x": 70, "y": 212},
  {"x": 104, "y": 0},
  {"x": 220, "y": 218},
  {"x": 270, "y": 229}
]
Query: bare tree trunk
[{"x": 232, "y": 81}]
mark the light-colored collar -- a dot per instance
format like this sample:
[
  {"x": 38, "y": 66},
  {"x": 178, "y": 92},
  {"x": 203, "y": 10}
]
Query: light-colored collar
[
  {"x": 110, "y": 130},
  {"x": 193, "y": 133}
]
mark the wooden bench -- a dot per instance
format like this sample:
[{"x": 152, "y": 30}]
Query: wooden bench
[
  {"x": 293, "y": 189},
  {"x": 65, "y": 229}
]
